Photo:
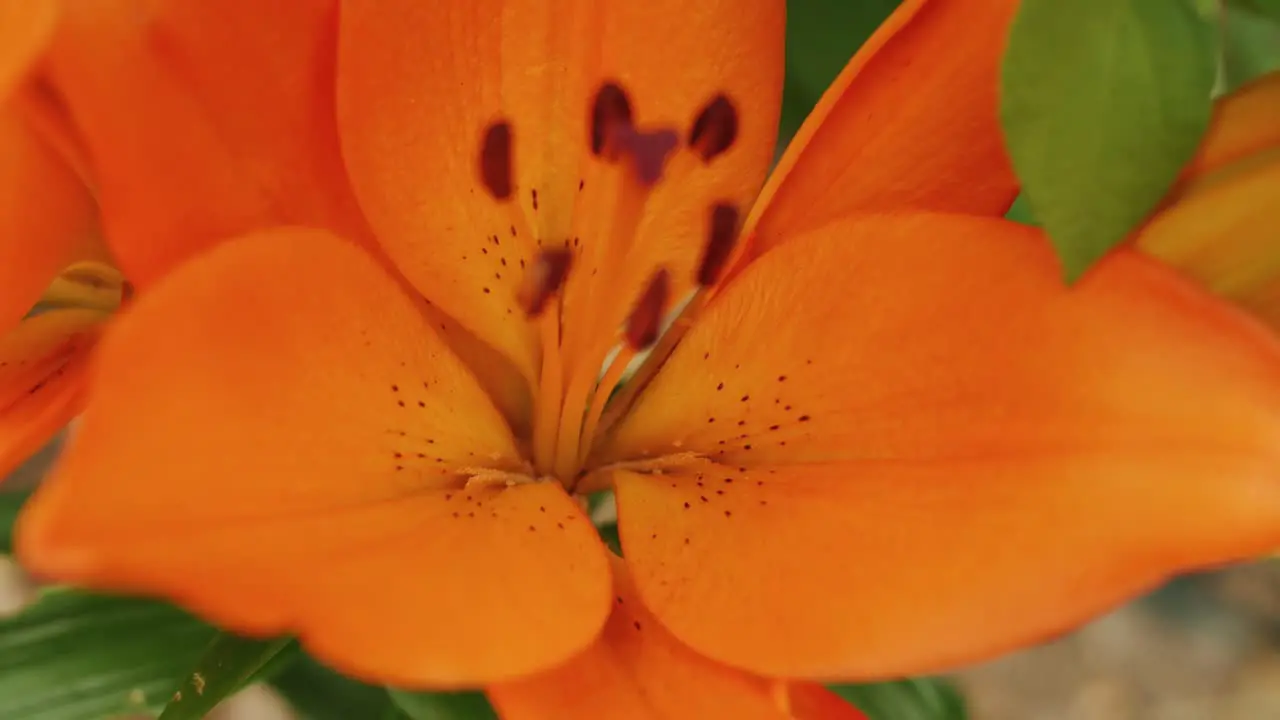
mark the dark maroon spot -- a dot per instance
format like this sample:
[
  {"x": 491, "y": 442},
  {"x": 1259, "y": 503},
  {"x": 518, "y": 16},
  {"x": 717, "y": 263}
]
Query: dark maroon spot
[
  {"x": 648, "y": 150},
  {"x": 715, "y": 129},
  {"x": 610, "y": 112},
  {"x": 544, "y": 279},
  {"x": 495, "y": 160},
  {"x": 646, "y": 317},
  {"x": 720, "y": 239}
]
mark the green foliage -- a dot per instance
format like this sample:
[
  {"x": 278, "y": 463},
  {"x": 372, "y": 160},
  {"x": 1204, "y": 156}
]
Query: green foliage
[
  {"x": 922, "y": 699},
  {"x": 227, "y": 665},
  {"x": 1103, "y": 102},
  {"x": 318, "y": 693},
  {"x": 444, "y": 706},
  {"x": 1251, "y": 41},
  {"x": 821, "y": 37},
  {"x": 77, "y": 656},
  {"x": 1262, "y": 8},
  {"x": 10, "y": 503}
]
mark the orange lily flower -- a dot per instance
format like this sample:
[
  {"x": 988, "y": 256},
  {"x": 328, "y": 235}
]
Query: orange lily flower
[
  {"x": 158, "y": 107},
  {"x": 51, "y": 254},
  {"x": 880, "y": 439},
  {"x": 1219, "y": 224}
]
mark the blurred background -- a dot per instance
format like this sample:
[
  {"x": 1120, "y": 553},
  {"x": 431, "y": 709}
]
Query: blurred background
[{"x": 1205, "y": 647}]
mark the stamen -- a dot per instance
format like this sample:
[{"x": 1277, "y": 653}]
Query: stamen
[
  {"x": 720, "y": 240},
  {"x": 545, "y": 278},
  {"x": 496, "y": 160},
  {"x": 646, "y": 318},
  {"x": 610, "y": 111},
  {"x": 643, "y": 326},
  {"x": 546, "y": 424},
  {"x": 715, "y": 129}
]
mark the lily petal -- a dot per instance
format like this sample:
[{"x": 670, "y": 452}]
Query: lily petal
[
  {"x": 926, "y": 450},
  {"x": 56, "y": 224},
  {"x": 25, "y": 30},
  {"x": 422, "y": 84},
  {"x": 811, "y": 701},
  {"x": 42, "y": 378},
  {"x": 286, "y": 447},
  {"x": 204, "y": 120},
  {"x": 1222, "y": 232},
  {"x": 637, "y": 671},
  {"x": 1244, "y": 123},
  {"x": 911, "y": 123}
]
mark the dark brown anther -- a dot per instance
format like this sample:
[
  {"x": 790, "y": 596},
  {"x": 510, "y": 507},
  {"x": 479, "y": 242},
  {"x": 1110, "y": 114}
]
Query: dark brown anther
[
  {"x": 645, "y": 321},
  {"x": 715, "y": 129},
  {"x": 545, "y": 278},
  {"x": 720, "y": 239},
  {"x": 496, "y": 160},
  {"x": 610, "y": 113}
]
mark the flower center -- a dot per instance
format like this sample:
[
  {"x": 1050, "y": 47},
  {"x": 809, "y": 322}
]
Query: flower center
[{"x": 601, "y": 306}]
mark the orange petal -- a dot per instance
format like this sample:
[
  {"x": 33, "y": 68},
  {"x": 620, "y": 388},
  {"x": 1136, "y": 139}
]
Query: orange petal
[
  {"x": 636, "y": 671},
  {"x": 204, "y": 120},
  {"x": 1222, "y": 232},
  {"x": 421, "y": 84},
  {"x": 911, "y": 122},
  {"x": 810, "y": 701},
  {"x": 1244, "y": 123},
  {"x": 931, "y": 451},
  {"x": 54, "y": 228},
  {"x": 42, "y": 378},
  {"x": 25, "y": 30},
  {"x": 327, "y": 434}
]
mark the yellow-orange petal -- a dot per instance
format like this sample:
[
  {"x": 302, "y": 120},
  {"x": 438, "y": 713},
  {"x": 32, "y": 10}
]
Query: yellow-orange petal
[
  {"x": 280, "y": 442},
  {"x": 1244, "y": 123},
  {"x": 48, "y": 217},
  {"x": 637, "y": 671},
  {"x": 43, "y": 362},
  {"x": 1223, "y": 233},
  {"x": 204, "y": 120},
  {"x": 25, "y": 30},
  {"x": 911, "y": 123},
  {"x": 931, "y": 450},
  {"x": 422, "y": 84}
]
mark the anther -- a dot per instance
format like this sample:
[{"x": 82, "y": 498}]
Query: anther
[
  {"x": 722, "y": 233},
  {"x": 715, "y": 129},
  {"x": 495, "y": 160},
  {"x": 646, "y": 317},
  {"x": 610, "y": 112},
  {"x": 545, "y": 278}
]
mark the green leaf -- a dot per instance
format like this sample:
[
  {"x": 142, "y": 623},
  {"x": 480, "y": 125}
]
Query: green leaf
[
  {"x": 227, "y": 664},
  {"x": 1020, "y": 211},
  {"x": 444, "y": 706},
  {"x": 1103, "y": 102},
  {"x": 922, "y": 699},
  {"x": 1250, "y": 46},
  {"x": 319, "y": 693},
  {"x": 77, "y": 656},
  {"x": 1265, "y": 8},
  {"x": 10, "y": 503}
]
